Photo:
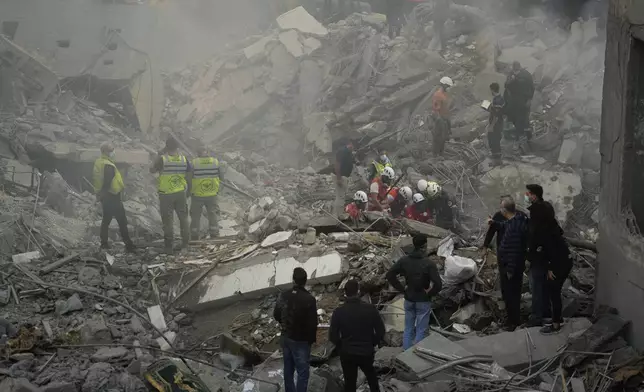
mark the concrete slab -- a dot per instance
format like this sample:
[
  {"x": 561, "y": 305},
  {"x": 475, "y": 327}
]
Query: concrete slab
[
  {"x": 291, "y": 41},
  {"x": 412, "y": 363},
  {"x": 18, "y": 173},
  {"x": 257, "y": 48},
  {"x": 277, "y": 240},
  {"x": 394, "y": 314},
  {"x": 508, "y": 348},
  {"x": 299, "y": 19},
  {"x": 259, "y": 275},
  {"x": 22, "y": 258},
  {"x": 424, "y": 228}
]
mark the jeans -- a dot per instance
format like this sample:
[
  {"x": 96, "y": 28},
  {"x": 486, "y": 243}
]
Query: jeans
[
  {"x": 538, "y": 281},
  {"x": 350, "y": 364},
  {"x": 554, "y": 292},
  {"x": 296, "y": 357},
  {"x": 416, "y": 322},
  {"x": 113, "y": 209}
]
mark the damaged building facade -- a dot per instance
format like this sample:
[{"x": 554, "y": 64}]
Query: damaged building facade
[{"x": 620, "y": 277}]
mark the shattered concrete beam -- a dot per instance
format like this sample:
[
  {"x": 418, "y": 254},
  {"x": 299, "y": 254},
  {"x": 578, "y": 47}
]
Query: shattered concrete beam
[
  {"x": 258, "y": 276},
  {"x": 426, "y": 229}
]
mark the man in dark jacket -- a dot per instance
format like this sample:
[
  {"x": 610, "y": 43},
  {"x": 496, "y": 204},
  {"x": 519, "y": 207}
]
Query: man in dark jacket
[
  {"x": 543, "y": 224},
  {"x": 519, "y": 90},
  {"x": 356, "y": 329},
  {"x": 296, "y": 311},
  {"x": 422, "y": 282},
  {"x": 511, "y": 258}
]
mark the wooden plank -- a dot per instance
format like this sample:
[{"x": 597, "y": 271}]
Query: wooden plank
[{"x": 59, "y": 263}]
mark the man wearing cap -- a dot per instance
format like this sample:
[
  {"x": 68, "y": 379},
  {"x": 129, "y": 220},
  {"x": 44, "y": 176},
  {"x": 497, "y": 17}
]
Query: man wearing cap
[
  {"x": 173, "y": 168},
  {"x": 108, "y": 186}
]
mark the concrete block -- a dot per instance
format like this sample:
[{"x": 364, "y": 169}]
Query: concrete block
[
  {"x": 571, "y": 152},
  {"x": 18, "y": 173},
  {"x": 156, "y": 317},
  {"x": 261, "y": 275},
  {"x": 163, "y": 343},
  {"x": 266, "y": 202},
  {"x": 311, "y": 45},
  {"x": 22, "y": 258},
  {"x": 278, "y": 240},
  {"x": 409, "y": 362},
  {"x": 299, "y": 19},
  {"x": 257, "y": 48},
  {"x": 291, "y": 41},
  {"x": 394, "y": 316},
  {"x": 508, "y": 348}
]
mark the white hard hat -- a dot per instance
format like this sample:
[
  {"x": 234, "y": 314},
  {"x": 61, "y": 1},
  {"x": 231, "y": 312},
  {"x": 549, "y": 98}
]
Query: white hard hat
[
  {"x": 406, "y": 193},
  {"x": 360, "y": 196},
  {"x": 389, "y": 172},
  {"x": 418, "y": 197},
  {"x": 433, "y": 189},
  {"x": 422, "y": 185},
  {"x": 446, "y": 80}
]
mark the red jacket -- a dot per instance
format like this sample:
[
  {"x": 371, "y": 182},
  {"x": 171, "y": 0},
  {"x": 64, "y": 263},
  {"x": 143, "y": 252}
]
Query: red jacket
[
  {"x": 382, "y": 193},
  {"x": 353, "y": 210},
  {"x": 413, "y": 213}
]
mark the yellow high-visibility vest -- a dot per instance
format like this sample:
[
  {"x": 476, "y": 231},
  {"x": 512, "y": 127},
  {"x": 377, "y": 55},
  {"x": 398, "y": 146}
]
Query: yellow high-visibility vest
[
  {"x": 117, "y": 184},
  {"x": 172, "y": 178},
  {"x": 205, "y": 177},
  {"x": 380, "y": 167}
]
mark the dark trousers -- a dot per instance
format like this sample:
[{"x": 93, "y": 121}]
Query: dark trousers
[
  {"x": 553, "y": 288},
  {"x": 538, "y": 282},
  {"x": 494, "y": 141},
  {"x": 511, "y": 293},
  {"x": 350, "y": 364},
  {"x": 113, "y": 209},
  {"x": 296, "y": 358},
  {"x": 520, "y": 118}
]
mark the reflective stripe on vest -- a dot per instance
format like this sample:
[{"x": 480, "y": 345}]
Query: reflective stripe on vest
[
  {"x": 172, "y": 178},
  {"x": 116, "y": 186},
  {"x": 380, "y": 167},
  {"x": 205, "y": 177}
]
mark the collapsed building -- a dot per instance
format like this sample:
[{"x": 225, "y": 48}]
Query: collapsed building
[{"x": 271, "y": 106}]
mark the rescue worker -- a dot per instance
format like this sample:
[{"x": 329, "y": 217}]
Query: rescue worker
[
  {"x": 441, "y": 116},
  {"x": 108, "y": 186},
  {"x": 495, "y": 123},
  {"x": 438, "y": 202},
  {"x": 172, "y": 167},
  {"x": 398, "y": 199},
  {"x": 519, "y": 90},
  {"x": 359, "y": 204},
  {"x": 379, "y": 188},
  {"x": 205, "y": 180},
  {"x": 418, "y": 210},
  {"x": 378, "y": 165}
]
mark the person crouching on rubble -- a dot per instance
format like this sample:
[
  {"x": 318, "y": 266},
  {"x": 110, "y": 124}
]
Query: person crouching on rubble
[
  {"x": 422, "y": 282},
  {"x": 359, "y": 205},
  {"x": 398, "y": 199},
  {"x": 418, "y": 210},
  {"x": 511, "y": 258},
  {"x": 108, "y": 186},
  {"x": 296, "y": 312},
  {"x": 356, "y": 329},
  {"x": 438, "y": 202},
  {"x": 379, "y": 188}
]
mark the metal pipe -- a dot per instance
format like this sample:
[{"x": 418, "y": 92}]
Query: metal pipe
[{"x": 450, "y": 364}]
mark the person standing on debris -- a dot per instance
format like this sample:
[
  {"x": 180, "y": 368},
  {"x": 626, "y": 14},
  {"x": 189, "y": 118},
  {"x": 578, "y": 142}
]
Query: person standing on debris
[
  {"x": 438, "y": 202},
  {"x": 495, "y": 123},
  {"x": 379, "y": 189},
  {"x": 378, "y": 165},
  {"x": 441, "y": 116},
  {"x": 296, "y": 312},
  {"x": 172, "y": 167},
  {"x": 422, "y": 282},
  {"x": 559, "y": 267},
  {"x": 519, "y": 90},
  {"x": 398, "y": 199},
  {"x": 496, "y": 229},
  {"x": 355, "y": 209},
  {"x": 343, "y": 169},
  {"x": 440, "y": 15},
  {"x": 108, "y": 186},
  {"x": 418, "y": 210},
  {"x": 395, "y": 10},
  {"x": 511, "y": 258},
  {"x": 543, "y": 225},
  {"x": 356, "y": 329},
  {"x": 204, "y": 180}
]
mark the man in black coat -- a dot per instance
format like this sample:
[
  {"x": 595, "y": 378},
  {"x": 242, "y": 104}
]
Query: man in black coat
[
  {"x": 511, "y": 258},
  {"x": 356, "y": 329},
  {"x": 422, "y": 282},
  {"x": 543, "y": 224},
  {"x": 519, "y": 90},
  {"x": 296, "y": 311}
]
